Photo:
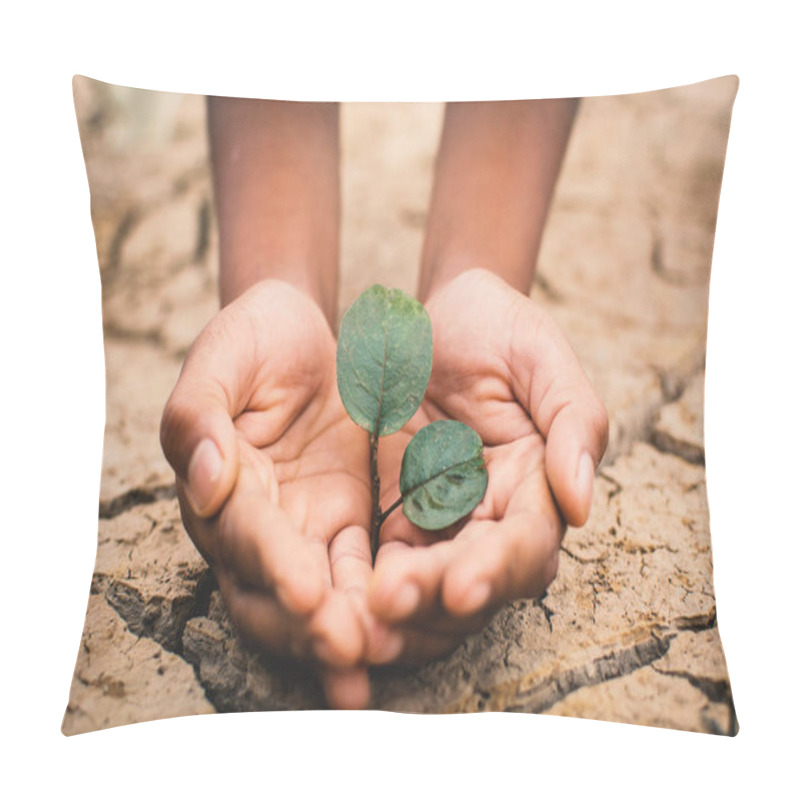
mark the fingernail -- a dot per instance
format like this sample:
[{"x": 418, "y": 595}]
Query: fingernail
[
  {"x": 389, "y": 646},
  {"x": 406, "y": 601},
  {"x": 585, "y": 478},
  {"x": 475, "y": 597},
  {"x": 205, "y": 470}
]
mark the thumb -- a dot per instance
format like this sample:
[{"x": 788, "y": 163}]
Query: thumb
[
  {"x": 575, "y": 444},
  {"x": 198, "y": 436},
  {"x": 567, "y": 411}
]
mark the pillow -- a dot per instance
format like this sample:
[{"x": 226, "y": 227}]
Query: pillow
[{"x": 627, "y": 632}]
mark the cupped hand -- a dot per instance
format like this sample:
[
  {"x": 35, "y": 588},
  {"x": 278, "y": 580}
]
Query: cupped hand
[
  {"x": 273, "y": 483},
  {"x": 502, "y": 366}
]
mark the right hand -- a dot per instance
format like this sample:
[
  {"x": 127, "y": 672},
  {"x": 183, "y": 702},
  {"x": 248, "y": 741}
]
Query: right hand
[
  {"x": 502, "y": 366},
  {"x": 273, "y": 484}
]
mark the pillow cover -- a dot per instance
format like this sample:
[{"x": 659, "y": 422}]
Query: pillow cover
[{"x": 627, "y": 632}]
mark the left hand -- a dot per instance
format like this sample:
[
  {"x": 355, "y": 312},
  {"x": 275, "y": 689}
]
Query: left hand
[{"x": 502, "y": 366}]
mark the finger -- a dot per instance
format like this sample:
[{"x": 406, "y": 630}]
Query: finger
[
  {"x": 197, "y": 431},
  {"x": 551, "y": 383},
  {"x": 516, "y": 557},
  {"x": 575, "y": 445},
  {"x": 346, "y": 690},
  {"x": 257, "y": 542},
  {"x": 351, "y": 560},
  {"x": 339, "y": 637},
  {"x": 443, "y": 623},
  {"x": 384, "y": 643},
  {"x": 421, "y": 646},
  {"x": 407, "y": 580},
  {"x": 201, "y": 531},
  {"x": 261, "y": 620},
  {"x": 351, "y": 570}
]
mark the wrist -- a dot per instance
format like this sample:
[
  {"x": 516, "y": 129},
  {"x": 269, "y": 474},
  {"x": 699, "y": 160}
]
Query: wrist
[
  {"x": 436, "y": 278},
  {"x": 318, "y": 286}
]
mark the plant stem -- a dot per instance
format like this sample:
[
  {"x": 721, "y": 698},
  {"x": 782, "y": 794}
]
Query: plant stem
[
  {"x": 391, "y": 508},
  {"x": 377, "y": 516}
]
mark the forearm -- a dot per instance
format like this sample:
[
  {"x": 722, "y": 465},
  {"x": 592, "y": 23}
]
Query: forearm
[
  {"x": 276, "y": 181},
  {"x": 495, "y": 173}
]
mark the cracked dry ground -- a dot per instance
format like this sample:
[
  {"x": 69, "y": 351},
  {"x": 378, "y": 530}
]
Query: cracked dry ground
[{"x": 627, "y": 632}]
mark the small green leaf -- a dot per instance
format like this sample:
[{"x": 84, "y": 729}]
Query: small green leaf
[
  {"x": 443, "y": 476},
  {"x": 383, "y": 359}
]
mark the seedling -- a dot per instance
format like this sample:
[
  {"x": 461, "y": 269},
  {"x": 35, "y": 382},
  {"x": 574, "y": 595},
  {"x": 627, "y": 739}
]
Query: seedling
[{"x": 383, "y": 365}]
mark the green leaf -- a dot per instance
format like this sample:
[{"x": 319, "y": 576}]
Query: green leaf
[
  {"x": 383, "y": 359},
  {"x": 443, "y": 476}
]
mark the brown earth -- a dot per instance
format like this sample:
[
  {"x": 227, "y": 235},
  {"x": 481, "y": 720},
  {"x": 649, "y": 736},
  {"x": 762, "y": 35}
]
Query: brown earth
[{"x": 627, "y": 632}]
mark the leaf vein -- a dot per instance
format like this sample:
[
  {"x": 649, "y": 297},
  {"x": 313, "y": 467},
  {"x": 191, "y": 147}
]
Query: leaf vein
[
  {"x": 473, "y": 460},
  {"x": 383, "y": 367}
]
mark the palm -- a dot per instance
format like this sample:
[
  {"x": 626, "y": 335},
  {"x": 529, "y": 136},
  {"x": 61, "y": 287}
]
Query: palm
[
  {"x": 516, "y": 475},
  {"x": 296, "y": 426},
  {"x": 470, "y": 384}
]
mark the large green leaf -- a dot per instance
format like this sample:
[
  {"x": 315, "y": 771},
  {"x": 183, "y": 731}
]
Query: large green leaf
[
  {"x": 443, "y": 476},
  {"x": 383, "y": 359}
]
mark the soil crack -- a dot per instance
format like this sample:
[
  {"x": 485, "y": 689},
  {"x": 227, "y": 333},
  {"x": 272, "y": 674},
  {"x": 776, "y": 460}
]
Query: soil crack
[{"x": 137, "y": 496}]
